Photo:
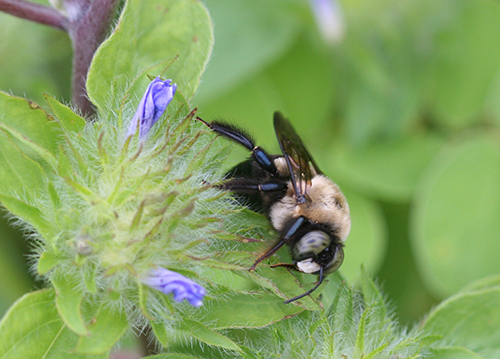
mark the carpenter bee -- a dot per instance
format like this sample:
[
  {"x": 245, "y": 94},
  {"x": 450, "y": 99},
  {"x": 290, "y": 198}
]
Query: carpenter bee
[{"x": 305, "y": 207}]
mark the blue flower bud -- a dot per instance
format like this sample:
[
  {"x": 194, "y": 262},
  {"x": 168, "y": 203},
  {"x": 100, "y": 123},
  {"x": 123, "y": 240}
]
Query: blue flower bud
[
  {"x": 154, "y": 102},
  {"x": 167, "y": 281},
  {"x": 329, "y": 18}
]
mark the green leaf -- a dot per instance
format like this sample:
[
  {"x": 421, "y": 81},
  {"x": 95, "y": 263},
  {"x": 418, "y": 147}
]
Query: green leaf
[
  {"x": 388, "y": 170},
  {"x": 266, "y": 30},
  {"x": 483, "y": 283},
  {"x": 229, "y": 279},
  {"x": 21, "y": 176},
  {"x": 160, "y": 332},
  {"x": 172, "y": 38},
  {"x": 69, "y": 296},
  {"x": 106, "y": 328},
  {"x": 69, "y": 120},
  {"x": 37, "y": 133},
  {"x": 471, "y": 319},
  {"x": 367, "y": 242},
  {"x": 455, "y": 219},
  {"x": 360, "y": 335},
  {"x": 28, "y": 213},
  {"x": 207, "y": 335},
  {"x": 32, "y": 328},
  {"x": 284, "y": 284},
  {"x": 464, "y": 66},
  {"x": 379, "y": 78},
  {"x": 270, "y": 89},
  {"x": 48, "y": 260},
  {"x": 374, "y": 300},
  {"x": 28, "y": 75},
  {"x": 453, "y": 353},
  {"x": 245, "y": 311}
]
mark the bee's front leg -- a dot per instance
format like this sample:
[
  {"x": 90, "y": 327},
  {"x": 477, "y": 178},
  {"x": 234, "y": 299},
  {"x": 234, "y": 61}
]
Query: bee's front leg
[
  {"x": 286, "y": 265},
  {"x": 239, "y": 136},
  {"x": 249, "y": 186}
]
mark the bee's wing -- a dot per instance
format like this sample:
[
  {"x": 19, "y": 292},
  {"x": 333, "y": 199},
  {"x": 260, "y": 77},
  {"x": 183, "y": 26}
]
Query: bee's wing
[{"x": 296, "y": 155}]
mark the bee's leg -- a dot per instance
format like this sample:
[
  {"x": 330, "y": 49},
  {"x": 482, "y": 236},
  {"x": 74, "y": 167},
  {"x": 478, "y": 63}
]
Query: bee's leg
[
  {"x": 292, "y": 229},
  {"x": 239, "y": 136},
  {"x": 249, "y": 186},
  {"x": 269, "y": 253},
  {"x": 320, "y": 280},
  {"x": 286, "y": 265}
]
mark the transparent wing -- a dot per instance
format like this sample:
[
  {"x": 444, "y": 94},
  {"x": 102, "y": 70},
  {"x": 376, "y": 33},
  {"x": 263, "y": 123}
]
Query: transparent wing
[{"x": 297, "y": 156}]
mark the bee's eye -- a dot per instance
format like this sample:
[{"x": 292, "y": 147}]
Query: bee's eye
[
  {"x": 311, "y": 244},
  {"x": 336, "y": 261}
]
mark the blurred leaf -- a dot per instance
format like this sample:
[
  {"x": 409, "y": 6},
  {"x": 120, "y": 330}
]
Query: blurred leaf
[
  {"x": 398, "y": 274},
  {"x": 386, "y": 170},
  {"x": 107, "y": 327},
  {"x": 251, "y": 104},
  {"x": 453, "y": 353},
  {"x": 367, "y": 242},
  {"x": 171, "y": 38},
  {"x": 372, "y": 113},
  {"x": 265, "y": 31},
  {"x": 36, "y": 59},
  {"x": 16, "y": 280},
  {"x": 32, "y": 328},
  {"x": 483, "y": 283},
  {"x": 207, "y": 335},
  {"x": 455, "y": 218},
  {"x": 467, "y": 58},
  {"x": 69, "y": 296},
  {"x": 380, "y": 72},
  {"x": 245, "y": 311},
  {"x": 492, "y": 101},
  {"x": 471, "y": 319}
]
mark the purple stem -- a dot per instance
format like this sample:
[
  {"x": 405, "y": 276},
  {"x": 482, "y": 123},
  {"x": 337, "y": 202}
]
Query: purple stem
[
  {"x": 87, "y": 24},
  {"x": 34, "y": 12},
  {"x": 87, "y": 31}
]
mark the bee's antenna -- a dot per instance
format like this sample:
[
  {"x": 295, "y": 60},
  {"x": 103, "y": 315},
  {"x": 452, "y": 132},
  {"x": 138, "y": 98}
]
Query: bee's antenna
[{"x": 310, "y": 290}]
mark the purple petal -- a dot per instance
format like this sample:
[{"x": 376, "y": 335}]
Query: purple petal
[
  {"x": 152, "y": 106},
  {"x": 167, "y": 281},
  {"x": 329, "y": 18}
]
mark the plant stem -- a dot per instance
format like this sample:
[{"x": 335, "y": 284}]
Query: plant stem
[
  {"x": 87, "y": 31},
  {"x": 87, "y": 23},
  {"x": 35, "y": 12}
]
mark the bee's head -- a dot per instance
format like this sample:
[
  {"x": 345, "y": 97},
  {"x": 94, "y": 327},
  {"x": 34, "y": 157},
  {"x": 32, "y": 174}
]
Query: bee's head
[{"x": 316, "y": 249}]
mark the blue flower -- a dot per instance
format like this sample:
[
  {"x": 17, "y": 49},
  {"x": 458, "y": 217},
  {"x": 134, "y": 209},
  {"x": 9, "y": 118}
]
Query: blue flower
[
  {"x": 154, "y": 102},
  {"x": 328, "y": 14},
  {"x": 167, "y": 281}
]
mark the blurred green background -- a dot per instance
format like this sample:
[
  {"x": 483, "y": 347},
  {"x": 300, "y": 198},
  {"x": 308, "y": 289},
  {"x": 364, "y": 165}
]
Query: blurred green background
[{"x": 402, "y": 110}]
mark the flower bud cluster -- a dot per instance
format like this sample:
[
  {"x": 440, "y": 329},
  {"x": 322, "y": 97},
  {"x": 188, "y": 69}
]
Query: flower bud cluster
[{"x": 137, "y": 205}]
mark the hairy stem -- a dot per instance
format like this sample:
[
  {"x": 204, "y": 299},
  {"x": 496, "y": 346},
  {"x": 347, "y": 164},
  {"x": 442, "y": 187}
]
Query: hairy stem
[{"x": 34, "y": 12}]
